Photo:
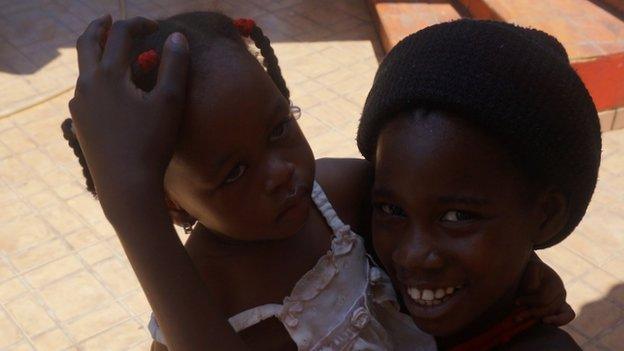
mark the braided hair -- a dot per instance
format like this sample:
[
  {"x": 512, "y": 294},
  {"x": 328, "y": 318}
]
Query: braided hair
[
  {"x": 270, "y": 60},
  {"x": 201, "y": 29},
  {"x": 70, "y": 136}
]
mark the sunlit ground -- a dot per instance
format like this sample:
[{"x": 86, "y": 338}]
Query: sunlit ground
[{"x": 65, "y": 282}]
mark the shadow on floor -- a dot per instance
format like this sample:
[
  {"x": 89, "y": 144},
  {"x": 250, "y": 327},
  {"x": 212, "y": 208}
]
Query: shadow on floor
[
  {"x": 602, "y": 321},
  {"x": 33, "y": 31}
]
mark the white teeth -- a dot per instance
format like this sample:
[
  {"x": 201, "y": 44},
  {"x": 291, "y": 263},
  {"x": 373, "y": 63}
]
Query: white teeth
[
  {"x": 414, "y": 293},
  {"x": 427, "y": 295},
  {"x": 439, "y": 293}
]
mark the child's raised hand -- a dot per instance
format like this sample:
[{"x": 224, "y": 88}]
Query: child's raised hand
[
  {"x": 543, "y": 295},
  {"x": 127, "y": 135},
  {"x": 128, "y": 138}
]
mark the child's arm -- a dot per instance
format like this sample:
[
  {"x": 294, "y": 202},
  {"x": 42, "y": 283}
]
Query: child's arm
[
  {"x": 128, "y": 137},
  {"x": 542, "y": 338},
  {"x": 544, "y": 294}
]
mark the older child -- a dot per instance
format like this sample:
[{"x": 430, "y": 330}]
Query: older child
[
  {"x": 270, "y": 243},
  {"x": 486, "y": 146}
]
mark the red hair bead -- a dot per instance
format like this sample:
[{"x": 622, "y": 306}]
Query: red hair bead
[
  {"x": 244, "y": 26},
  {"x": 148, "y": 60}
]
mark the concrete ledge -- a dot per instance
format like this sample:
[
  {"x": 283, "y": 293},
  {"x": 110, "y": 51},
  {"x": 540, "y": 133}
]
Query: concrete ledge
[
  {"x": 397, "y": 19},
  {"x": 604, "y": 78}
]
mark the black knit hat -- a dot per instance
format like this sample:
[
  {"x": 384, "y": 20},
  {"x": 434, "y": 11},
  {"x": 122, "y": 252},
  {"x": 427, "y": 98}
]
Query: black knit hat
[{"x": 514, "y": 83}]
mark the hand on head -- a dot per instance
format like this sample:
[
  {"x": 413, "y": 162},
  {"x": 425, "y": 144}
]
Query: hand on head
[
  {"x": 119, "y": 126},
  {"x": 543, "y": 295}
]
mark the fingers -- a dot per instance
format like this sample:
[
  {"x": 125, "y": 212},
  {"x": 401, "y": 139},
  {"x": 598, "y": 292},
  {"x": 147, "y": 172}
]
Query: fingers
[
  {"x": 542, "y": 298},
  {"x": 534, "y": 313},
  {"x": 561, "y": 318},
  {"x": 537, "y": 312},
  {"x": 120, "y": 39},
  {"x": 558, "y": 317},
  {"x": 171, "y": 84},
  {"x": 539, "y": 307},
  {"x": 532, "y": 278},
  {"x": 88, "y": 44}
]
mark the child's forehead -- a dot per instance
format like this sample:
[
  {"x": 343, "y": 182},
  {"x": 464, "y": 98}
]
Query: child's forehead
[
  {"x": 225, "y": 74},
  {"x": 227, "y": 80},
  {"x": 440, "y": 145},
  {"x": 233, "y": 117},
  {"x": 234, "y": 120}
]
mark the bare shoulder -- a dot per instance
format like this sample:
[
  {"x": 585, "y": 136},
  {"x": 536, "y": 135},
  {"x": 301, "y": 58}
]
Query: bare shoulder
[
  {"x": 345, "y": 170},
  {"x": 156, "y": 346},
  {"x": 347, "y": 182},
  {"x": 543, "y": 337}
]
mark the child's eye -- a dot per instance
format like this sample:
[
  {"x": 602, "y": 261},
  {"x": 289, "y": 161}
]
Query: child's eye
[
  {"x": 280, "y": 130},
  {"x": 391, "y": 210},
  {"x": 235, "y": 173},
  {"x": 457, "y": 216}
]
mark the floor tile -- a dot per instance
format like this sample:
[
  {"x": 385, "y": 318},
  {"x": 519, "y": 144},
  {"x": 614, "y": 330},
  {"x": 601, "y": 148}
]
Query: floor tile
[
  {"x": 12, "y": 289},
  {"x": 116, "y": 338},
  {"x": 116, "y": 276},
  {"x": 614, "y": 339},
  {"x": 54, "y": 340},
  {"x": 53, "y": 271},
  {"x": 74, "y": 295},
  {"x": 60, "y": 258},
  {"x": 22, "y": 232},
  {"x": 29, "y": 312},
  {"x": 9, "y": 332},
  {"x": 39, "y": 255},
  {"x": 96, "y": 321}
]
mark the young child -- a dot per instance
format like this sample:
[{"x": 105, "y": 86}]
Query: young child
[
  {"x": 269, "y": 243},
  {"x": 486, "y": 145}
]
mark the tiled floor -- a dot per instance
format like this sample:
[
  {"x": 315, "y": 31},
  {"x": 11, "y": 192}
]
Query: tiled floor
[{"x": 65, "y": 283}]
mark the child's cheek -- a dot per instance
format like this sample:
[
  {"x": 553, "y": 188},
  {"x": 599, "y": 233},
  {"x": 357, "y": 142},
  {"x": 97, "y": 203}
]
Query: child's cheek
[
  {"x": 385, "y": 242},
  {"x": 494, "y": 261}
]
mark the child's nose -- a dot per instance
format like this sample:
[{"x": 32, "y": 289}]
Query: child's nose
[
  {"x": 280, "y": 174},
  {"x": 418, "y": 251}
]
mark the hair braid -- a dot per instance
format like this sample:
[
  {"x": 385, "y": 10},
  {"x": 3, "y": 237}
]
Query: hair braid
[
  {"x": 70, "y": 136},
  {"x": 270, "y": 60}
]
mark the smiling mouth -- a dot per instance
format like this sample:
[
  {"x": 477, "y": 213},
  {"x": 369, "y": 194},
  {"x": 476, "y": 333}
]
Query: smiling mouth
[{"x": 432, "y": 297}]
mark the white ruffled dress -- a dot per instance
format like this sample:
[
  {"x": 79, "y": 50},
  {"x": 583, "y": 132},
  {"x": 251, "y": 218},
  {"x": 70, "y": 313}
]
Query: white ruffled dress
[{"x": 345, "y": 302}]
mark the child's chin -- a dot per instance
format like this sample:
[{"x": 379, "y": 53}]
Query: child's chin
[
  {"x": 439, "y": 320},
  {"x": 437, "y": 328}
]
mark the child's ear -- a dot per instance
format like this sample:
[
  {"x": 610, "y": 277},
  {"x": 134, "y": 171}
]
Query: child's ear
[
  {"x": 553, "y": 215},
  {"x": 178, "y": 215}
]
